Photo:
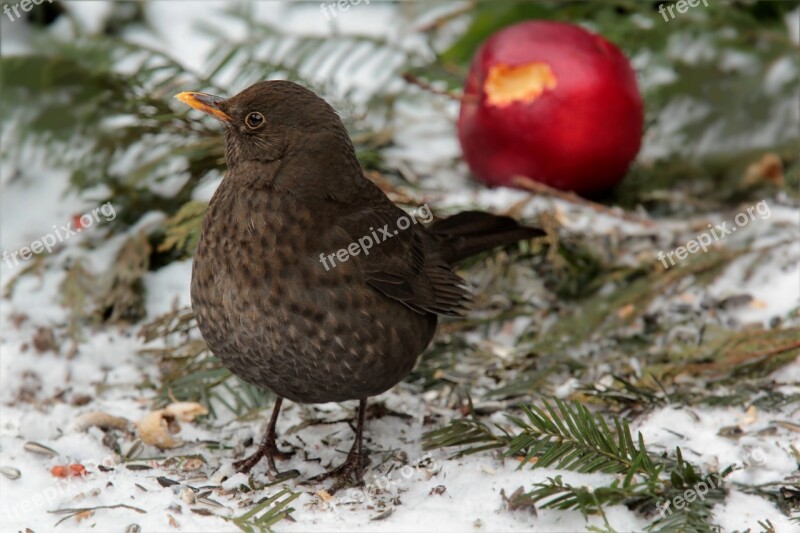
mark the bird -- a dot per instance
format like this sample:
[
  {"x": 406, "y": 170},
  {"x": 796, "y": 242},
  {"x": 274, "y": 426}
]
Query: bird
[{"x": 285, "y": 291}]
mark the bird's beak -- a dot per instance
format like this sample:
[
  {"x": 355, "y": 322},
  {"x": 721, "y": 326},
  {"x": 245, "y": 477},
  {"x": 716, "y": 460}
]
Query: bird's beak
[{"x": 207, "y": 103}]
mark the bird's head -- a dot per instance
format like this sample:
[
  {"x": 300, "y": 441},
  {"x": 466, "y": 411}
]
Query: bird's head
[{"x": 270, "y": 119}]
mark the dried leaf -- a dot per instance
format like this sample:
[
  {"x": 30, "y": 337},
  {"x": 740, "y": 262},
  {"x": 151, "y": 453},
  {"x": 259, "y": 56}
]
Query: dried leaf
[
  {"x": 154, "y": 429},
  {"x": 186, "y": 411}
]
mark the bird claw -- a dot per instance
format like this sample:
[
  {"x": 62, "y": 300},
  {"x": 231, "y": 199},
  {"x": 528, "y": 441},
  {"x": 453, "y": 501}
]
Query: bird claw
[
  {"x": 348, "y": 474},
  {"x": 271, "y": 452}
]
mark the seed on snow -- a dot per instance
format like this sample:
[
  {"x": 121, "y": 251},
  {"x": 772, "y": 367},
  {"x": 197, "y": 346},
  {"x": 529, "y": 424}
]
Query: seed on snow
[
  {"x": 41, "y": 449},
  {"x": 10, "y": 472}
]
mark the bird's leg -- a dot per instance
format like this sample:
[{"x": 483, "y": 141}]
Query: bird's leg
[
  {"x": 267, "y": 448},
  {"x": 356, "y": 460}
]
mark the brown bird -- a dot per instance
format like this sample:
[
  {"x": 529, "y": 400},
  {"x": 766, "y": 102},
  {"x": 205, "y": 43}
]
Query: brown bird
[{"x": 307, "y": 279}]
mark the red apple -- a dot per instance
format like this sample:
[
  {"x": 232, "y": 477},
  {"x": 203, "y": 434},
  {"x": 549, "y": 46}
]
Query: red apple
[{"x": 551, "y": 102}]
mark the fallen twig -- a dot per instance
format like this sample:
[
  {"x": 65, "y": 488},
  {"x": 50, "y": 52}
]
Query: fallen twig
[
  {"x": 78, "y": 510},
  {"x": 569, "y": 196}
]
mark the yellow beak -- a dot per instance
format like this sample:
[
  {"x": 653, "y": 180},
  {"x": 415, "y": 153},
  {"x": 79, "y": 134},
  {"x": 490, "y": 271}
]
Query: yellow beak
[{"x": 207, "y": 103}]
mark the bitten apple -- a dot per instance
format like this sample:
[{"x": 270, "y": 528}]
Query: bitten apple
[{"x": 554, "y": 103}]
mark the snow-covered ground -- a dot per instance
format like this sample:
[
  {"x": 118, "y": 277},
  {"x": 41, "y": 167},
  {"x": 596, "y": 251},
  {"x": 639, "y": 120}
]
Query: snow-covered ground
[
  {"x": 45, "y": 389},
  {"x": 43, "y": 396}
]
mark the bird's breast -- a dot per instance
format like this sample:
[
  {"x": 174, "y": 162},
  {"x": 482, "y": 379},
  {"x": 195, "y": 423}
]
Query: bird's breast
[{"x": 276, "y": 316}]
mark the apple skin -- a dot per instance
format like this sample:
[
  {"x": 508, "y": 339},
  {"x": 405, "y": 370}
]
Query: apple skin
[{"x": 578, "y": 131}]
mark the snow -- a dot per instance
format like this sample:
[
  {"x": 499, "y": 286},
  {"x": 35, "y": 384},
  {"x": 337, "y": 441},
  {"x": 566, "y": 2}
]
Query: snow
[
  {"x": 40, "y": 392},
  {"x": 167, "y": 287}
]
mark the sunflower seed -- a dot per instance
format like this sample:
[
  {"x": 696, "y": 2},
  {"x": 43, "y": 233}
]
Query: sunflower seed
[
  {"x": 134, "y": 450},
  {"x": 192, "y": 464},
  {"x": 166, "y": 482},
  {"x": 9, "y": 472},
  {"x": 41, "y": 449},
  {"x": 138, "y": 467},
  {"x": 209, "y": 502},
  {"x": 187, "y": 495}
]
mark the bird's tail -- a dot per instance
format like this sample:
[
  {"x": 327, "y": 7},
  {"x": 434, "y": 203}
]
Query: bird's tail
[{"x": 472, "y": 232}]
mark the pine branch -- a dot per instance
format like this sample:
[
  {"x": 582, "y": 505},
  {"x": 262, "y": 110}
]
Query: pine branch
[
  {"x": 567, "y": 436},
  {"x": 267, "y": 512},
  {"x": 182, "y": 231},
  {"x": 464, "y": 432},
  {"x": 654, "y": 496},
  {"x": 556, "y": 494},
  {"x": 572, "y": 438}
]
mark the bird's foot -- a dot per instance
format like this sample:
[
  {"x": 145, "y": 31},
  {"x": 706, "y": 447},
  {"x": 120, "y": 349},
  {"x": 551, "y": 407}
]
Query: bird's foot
[
  {"x": 271, "y": 452},
  {"x": 348, "y": 474}
]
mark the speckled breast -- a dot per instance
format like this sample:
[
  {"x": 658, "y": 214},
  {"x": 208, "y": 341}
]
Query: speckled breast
[{"x": 273, "y": 314}]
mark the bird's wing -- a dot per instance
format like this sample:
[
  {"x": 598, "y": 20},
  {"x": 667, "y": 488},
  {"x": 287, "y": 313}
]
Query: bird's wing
[{"x": 402, "y": 264}]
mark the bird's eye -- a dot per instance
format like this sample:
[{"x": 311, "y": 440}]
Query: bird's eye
[{"x": 254, "y": 120}]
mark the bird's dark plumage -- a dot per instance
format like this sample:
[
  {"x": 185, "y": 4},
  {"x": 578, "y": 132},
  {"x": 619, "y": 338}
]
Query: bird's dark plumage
[{"x": 267, "y": 305}]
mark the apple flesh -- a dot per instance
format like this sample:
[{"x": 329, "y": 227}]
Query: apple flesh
[{"x": 554, "y": 103}]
